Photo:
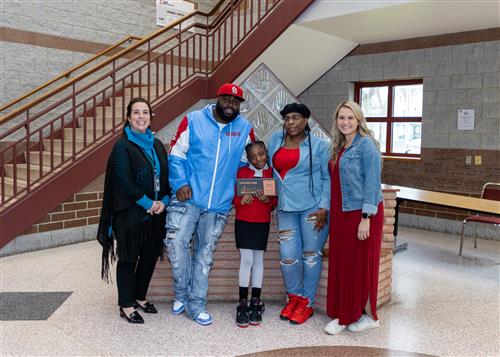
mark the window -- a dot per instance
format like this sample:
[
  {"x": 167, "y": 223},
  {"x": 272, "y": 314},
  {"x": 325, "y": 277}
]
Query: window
[{"x": 393, "y": 111}]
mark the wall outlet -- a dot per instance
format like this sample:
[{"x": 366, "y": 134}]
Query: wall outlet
[
  {"x": 468, "y": 160},
  {"x": 477, "y": 160}
]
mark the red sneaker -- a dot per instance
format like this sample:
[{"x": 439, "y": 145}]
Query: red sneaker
[
  {"x": 302, "y": 312},
  {"x": 288, "y": 310}
]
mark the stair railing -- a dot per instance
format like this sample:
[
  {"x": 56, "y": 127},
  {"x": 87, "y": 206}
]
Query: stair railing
[
  {"x": 65, "y": 124},
  {"x": 67, "y": 74}
]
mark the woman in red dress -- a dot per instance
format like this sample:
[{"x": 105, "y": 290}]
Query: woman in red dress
[{"x": 356, "y": 223}]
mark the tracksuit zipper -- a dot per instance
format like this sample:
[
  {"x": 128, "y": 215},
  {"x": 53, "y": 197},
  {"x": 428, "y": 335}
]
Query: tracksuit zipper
[{"x": 215, "y": 171}]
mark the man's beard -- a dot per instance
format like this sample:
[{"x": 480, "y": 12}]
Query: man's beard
[{"x": 223, "y": 115}]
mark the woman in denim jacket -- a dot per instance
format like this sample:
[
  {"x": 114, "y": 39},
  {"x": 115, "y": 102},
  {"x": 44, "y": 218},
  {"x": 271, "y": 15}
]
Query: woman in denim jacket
[
  {"x": 356, "y": 223},
  {"x": 300, "y": 162}
]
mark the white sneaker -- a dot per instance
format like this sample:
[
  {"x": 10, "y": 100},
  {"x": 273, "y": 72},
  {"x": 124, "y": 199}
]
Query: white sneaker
[
  {"x": 365, "y": 322},
  {"x": 204, "y": 318},
  {"x": 333, "y": 327},
  {"x": 178, "y": 307}
]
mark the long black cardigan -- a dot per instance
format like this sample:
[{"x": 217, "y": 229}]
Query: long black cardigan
[{"x": 129, "y": 176}]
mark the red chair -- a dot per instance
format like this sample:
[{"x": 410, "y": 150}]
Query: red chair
[{"x": 491, "y": 191}]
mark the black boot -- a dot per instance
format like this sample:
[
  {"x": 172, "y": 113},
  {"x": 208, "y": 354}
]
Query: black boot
[
  {"x": 242, "y": 313},
  {"x": 256, "y": 310}
]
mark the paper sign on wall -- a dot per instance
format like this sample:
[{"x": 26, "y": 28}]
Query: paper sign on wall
[
  {"x": 167, "y": 11},
  {"x": 466, "y": 119}
]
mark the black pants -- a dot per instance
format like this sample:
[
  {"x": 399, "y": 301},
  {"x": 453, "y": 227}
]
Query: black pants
[{"x": 133, "y": 278}]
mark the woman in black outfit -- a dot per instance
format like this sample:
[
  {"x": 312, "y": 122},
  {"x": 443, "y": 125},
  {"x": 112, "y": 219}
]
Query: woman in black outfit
[{"x": 136, "y": 192}]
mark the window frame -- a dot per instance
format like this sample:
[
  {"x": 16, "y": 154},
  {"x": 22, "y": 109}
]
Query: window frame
[{"x": 389, "y": 119}]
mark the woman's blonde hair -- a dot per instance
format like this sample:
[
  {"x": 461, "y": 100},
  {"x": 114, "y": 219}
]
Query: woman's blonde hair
[{"x": 363, "y": 130}]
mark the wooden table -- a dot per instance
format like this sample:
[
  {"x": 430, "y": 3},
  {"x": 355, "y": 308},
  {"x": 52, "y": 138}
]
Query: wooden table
[
  {"x": 441, "y": 199},
  {"x": 449, "y": 200}
]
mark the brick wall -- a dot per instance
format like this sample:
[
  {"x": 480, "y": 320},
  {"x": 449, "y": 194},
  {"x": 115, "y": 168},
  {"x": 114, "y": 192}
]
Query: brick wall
[
  {"x": 445, "y": 170},
  {"x": 81, "y": 209}
]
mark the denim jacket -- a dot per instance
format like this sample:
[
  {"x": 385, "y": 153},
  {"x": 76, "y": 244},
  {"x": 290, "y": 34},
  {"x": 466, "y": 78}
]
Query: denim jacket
[
  {"x": 294, "y": 193},
  {"x": 360, "y": 170}
]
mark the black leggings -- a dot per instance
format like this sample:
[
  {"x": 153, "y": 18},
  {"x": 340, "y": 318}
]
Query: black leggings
[{"x": 133, "y": 278}]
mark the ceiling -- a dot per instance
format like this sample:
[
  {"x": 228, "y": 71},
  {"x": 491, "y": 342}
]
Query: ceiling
[{"x": 365, "y": 22}]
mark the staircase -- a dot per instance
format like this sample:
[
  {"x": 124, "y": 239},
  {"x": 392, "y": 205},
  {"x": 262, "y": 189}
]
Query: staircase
[{"x": 54, "y": 145}]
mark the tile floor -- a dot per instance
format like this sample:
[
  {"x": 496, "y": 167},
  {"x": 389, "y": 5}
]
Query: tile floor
[{"x": 442, "y": 305}]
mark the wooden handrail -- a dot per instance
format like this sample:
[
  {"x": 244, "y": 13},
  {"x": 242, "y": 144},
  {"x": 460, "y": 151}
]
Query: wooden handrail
[
  {"x": 65, "y": 85},
  {"x": 69, "y": 71}
]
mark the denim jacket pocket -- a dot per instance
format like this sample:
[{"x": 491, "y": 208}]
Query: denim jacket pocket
[{"x": 353, "y": 163}]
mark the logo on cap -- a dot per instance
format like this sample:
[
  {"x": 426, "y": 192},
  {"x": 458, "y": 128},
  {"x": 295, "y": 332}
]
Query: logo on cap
[{"x": 231, "y": 89}]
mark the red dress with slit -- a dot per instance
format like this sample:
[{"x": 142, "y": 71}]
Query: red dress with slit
[{"x": 353, "y": 265}]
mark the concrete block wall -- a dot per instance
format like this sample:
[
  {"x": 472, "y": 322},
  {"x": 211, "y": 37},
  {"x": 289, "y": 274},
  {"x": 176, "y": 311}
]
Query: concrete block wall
[{"x": 104, "y": 21}]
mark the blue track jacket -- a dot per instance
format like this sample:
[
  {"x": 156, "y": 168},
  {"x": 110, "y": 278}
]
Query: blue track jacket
[{"x": 207, "y": 157}]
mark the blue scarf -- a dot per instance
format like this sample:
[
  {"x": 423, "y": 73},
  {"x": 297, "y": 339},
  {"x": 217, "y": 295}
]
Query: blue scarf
[{"x": 146, "y": 143}]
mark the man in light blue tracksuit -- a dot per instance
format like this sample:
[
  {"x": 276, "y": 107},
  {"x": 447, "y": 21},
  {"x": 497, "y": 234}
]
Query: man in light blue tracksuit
[{"x": 205, "y": 155}]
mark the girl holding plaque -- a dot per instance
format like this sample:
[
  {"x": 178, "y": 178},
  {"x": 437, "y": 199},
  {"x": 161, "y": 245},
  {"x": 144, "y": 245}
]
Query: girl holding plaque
[{"x": 251, "y": 228}]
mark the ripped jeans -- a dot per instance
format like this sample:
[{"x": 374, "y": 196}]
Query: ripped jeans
[
  {"x": 190, "y": 267},
  {"x": 300, "y": 252}
]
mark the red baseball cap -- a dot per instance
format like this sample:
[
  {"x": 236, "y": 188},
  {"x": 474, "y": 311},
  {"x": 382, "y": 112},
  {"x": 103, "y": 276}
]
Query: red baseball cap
[{"x": 231, "y": 89}]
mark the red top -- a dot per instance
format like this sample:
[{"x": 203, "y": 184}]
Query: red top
[
  {"x": 286, "y": 159},
  {"x": 257, "y": 211}
]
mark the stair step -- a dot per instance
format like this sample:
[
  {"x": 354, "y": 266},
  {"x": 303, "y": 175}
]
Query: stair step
[
  {"x": 126, "y": 98},
  {"x": 35, "y": 157},
  {"x": 107, "y": 113},
  {"x": 68, "y": 145},
  {"x": 108, "y": 122},
  {"x": 22, "y": 171},
  {"x": 79, "y": 134},
  {"x": 9, "y": 185},
  {"x": 134, "y": 91}
]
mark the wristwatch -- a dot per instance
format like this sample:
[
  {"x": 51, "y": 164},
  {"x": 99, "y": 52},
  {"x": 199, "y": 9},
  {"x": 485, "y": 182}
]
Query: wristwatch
[{"x": 366, "y": 215}]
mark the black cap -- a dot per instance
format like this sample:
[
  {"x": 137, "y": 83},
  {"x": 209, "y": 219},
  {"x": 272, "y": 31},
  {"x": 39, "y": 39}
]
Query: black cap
[{"x": 296, "y": 108}]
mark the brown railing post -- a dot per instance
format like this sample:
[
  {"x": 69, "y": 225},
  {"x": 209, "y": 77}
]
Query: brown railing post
[
  {"x": 40, "y": 151},
  {"x": 232, "y": 25},
  {"x": 187, "y": 58},
  {"x": 207, "y": 32},
  {"x": 3, "y": 175},
  {"x": 164, "y": 72},
  {"x": 179, "y": 52},
  {"x": 14, "y": 155},
  {"x": 73, "y": 104},
  {"x": 113, "y": 98},
  {"x": 258, "y": 11},
  {"x": 149, "y": 71},
  {"x": 85, "y": 125},
  {"x": 51, "y": 146},
  {"x": 94, "y": 118},
  {"x": 239, "y": 19},
  {"x": 140, "y": 84},
  {"x": 251, "y": 14}
]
